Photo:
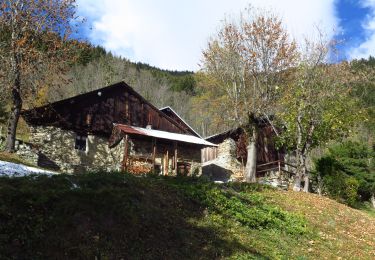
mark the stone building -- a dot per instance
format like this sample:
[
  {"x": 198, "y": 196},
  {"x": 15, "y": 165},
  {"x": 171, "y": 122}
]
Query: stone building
[{"x": 113, "y": 128}]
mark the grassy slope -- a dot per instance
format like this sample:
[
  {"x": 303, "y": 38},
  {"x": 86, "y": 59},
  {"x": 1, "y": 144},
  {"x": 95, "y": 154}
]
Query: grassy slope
[
  {"x": 342, "y": 231},
  {"x": 121, "y": 216},
  {"x": 13, "y": 158}
]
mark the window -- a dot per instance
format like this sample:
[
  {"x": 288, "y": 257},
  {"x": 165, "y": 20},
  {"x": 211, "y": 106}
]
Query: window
[{"x": 80, "y": 143}]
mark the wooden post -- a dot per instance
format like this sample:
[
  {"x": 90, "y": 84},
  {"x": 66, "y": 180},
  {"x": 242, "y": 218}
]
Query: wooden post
[
  {"x": 166, "y": 162},
  {"x": 175, "y": 158},
  {"x": 125, "y": 158},
  {"x": 153, "y": 153}
]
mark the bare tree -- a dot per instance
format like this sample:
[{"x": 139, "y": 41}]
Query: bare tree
[{"x": 35, "y": 47}]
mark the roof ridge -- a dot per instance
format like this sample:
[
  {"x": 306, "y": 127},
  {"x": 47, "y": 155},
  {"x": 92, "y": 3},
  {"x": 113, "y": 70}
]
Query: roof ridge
[{"x": 181, "y": 119}]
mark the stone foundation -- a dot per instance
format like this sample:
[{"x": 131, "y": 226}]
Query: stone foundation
[
  {"x": 54, "y": 148},
  {"x": 27, "y": 152},
  {"x": 227, "y": 168},
  {"x": 276, "y": 179}
]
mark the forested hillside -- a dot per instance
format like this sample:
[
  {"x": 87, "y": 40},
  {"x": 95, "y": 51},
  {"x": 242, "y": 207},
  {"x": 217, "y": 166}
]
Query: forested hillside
[{"x": 95, "y": 68}]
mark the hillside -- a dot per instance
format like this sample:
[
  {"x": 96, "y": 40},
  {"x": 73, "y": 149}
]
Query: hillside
[{"x": 114, "y": 216}]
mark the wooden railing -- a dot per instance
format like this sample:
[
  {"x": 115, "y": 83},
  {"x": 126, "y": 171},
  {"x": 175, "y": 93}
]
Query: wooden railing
[{"x": 278, "y": 165}]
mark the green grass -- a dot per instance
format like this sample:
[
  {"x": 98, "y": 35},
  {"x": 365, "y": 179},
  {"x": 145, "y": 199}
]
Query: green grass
[
  {"x": 14, "y": 158},
  {"x": 114, "y": 216},
  {"x": 366, "y": 207}
]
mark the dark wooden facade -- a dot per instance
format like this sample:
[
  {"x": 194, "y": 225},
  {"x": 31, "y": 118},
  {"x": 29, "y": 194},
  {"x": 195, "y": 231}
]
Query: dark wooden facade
[
  {"x": 172, "y": 114},
  {"x": 266, "y": 148},
  {"x": 96, "y": 111}
]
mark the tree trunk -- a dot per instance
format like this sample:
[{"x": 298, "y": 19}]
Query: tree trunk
[
  {"x": 16, "y": 105},
  {"x": 306, "y": 178},
  {"x": 297, "y": 181},
  {"x": 301, "y": 174},
  {"x": 13, "y": 120},
  {"x": 251, "y": 165},
  {"x": 301, "y": 154},
  {"x": 372, "y": 199}
]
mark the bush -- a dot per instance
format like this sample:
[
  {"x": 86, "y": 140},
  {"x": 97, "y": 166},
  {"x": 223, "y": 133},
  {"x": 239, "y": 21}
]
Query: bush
[
  {"x": 346, "y": 173},
  {"x": 242, "y": 203},
  {"x": 350, "y": 191},
  {"x": 341, "y": 187}
]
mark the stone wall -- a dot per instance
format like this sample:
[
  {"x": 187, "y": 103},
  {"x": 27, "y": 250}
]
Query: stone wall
[
  {"x": 277, "y": 179},
  {"x": 55, "y": 150},
  {"x": 225, "y": 167},
  {"x": 27, "y": 152}
]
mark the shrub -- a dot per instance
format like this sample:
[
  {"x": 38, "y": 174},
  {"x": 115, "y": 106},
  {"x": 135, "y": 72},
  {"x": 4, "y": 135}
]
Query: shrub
[
  {"x": 242, "y": 203},
  {"x": 346, "y": 173},
  {"x": 350, "y": 191}
]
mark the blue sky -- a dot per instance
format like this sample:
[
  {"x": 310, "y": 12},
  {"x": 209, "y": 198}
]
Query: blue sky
[
  {"x": 172, "y": 34},
  {"x": 356, "y": 20}
]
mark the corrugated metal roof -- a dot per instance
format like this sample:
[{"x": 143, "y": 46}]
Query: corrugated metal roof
[{"x": 163, "y": 135}]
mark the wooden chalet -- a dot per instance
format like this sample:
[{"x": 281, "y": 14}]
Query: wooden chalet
[{"x": 113, "y": 128}]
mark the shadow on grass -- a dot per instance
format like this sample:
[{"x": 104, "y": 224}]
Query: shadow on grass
[{"x": 107, "y": 216}]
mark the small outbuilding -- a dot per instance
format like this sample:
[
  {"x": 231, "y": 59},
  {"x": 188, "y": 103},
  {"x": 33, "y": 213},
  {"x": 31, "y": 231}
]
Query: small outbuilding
[{"x": 227, "y": 160}]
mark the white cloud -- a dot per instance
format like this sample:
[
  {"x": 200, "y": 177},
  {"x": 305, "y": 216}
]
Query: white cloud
[
  {"x": 172, "y": 34},
  {"x": 367, "y": 47}
]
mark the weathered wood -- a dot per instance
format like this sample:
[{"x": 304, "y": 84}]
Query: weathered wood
[
  {"x": 142, "y": 115},
  {"x": 127, "y": 117},
  {"x": 148, "y": 118},
  {"x": 153, "y": 153},
  {"x": 166, "y": 161},
  {"x": 175, "y": 157},
  {"x": 169, "y": 112},
  {"x": 118, "y": 103},
  {"x": 125, "y": 158}
]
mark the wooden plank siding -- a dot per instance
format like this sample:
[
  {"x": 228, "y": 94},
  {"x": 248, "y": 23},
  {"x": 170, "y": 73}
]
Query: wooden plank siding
[
  {"x": 209, "y": 153},
  {"x": 266, "y": 147},
  {"x": 172, "y": 114}
]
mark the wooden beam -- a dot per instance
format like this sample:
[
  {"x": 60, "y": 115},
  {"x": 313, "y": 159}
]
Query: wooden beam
[
  {"x": 125, "y": 158},
  {"x": 166, "y": 162},
  {"x": 175, "y": 158},
  {"x": 142, "y": 114},
  {"x": 153, "y": 154}
]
